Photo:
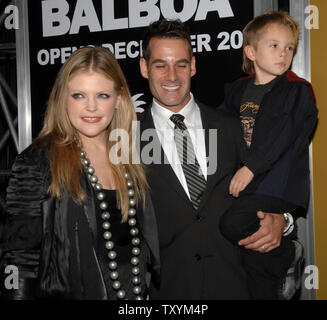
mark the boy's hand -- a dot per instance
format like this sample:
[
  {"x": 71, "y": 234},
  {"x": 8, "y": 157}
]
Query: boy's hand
[{"x": 240, "y": 180}]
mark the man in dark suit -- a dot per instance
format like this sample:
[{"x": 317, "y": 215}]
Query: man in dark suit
[{"x": 197, "y": 262}]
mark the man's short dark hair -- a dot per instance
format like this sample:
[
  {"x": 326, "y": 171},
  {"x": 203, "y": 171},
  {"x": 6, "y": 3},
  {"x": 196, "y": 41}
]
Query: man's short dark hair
[{"x": 164, "y": 28}]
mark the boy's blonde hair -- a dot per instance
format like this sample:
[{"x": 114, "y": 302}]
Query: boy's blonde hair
[{"x": 257, "y": 26}]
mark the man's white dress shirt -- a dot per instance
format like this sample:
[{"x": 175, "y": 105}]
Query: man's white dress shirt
[{"x": 165, "y": 130}]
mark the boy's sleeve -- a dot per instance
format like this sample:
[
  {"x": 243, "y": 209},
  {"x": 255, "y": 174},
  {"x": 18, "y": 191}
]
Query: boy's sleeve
[
  {"x": 256, "y": 161},
  {"x": 297, "y": 127}
]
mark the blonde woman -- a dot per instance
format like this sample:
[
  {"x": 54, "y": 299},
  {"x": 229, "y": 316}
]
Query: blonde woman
[{"x": 79, "y": 224}]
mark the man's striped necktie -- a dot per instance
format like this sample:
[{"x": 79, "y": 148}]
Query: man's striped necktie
[{"x": 195, "y": 180}]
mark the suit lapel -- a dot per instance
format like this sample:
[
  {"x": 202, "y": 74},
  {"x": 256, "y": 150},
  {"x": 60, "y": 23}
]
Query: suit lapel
[{"x": 210, "y": 123}]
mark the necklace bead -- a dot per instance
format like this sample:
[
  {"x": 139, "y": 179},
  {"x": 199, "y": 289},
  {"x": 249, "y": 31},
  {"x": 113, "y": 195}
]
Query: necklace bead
[
  {"x": 121, "y": 294},
  {"x": 114, "y": 275},
  {"x": 132, "y": 222},
  {"x": 137, "y": 290},
  {"x": 135, "y": 241},
  {"x": 100, "y": 196},
  {"x": 109, "y": 245},
  {"x": 103, "y": 205},
  {"x": 94, "y": 179},
  {"x": 112, "y": 265},
  {"x": 90, "y": 170},
  {"x": 112, "y": 255},
  {"x": 86, "y": 162},
  {"x": 106, "y": 225},
  {"x": 116, "y": 284},
  {"x": 105, "y": 215},
  {"x": 135, "y": 270},
  {"x": 107, "y": 235},
  {"x": 136, "y": 280},
  {"x": 134, "y": 232},
  {"x": 98, "y": 187}
]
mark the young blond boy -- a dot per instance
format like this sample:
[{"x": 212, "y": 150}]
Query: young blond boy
[{"x": 278, "y": 114}]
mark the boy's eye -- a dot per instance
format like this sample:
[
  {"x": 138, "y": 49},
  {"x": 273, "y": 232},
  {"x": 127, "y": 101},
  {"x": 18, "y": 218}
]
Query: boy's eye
[
  {"x": 290, "y": 48},
  {"x": 77, "y": 96}
]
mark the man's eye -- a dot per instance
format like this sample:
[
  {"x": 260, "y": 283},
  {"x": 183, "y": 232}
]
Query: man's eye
[{"x": 77, "y": 96}]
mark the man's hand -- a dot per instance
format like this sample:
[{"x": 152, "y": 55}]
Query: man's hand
[{"x": 269, "y": 235}]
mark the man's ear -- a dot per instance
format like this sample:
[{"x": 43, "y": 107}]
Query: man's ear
[
  {"x": 144, "y": 68},
  {"x": 250, "y": 52},
  {"x": 193, "y": 66}
]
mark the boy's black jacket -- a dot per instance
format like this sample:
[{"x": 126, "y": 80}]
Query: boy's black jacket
[{"x": 281, "y": 136}]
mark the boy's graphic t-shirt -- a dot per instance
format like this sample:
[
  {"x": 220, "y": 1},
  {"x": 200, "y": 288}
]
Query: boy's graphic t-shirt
[{"x": 250, "y": 105}]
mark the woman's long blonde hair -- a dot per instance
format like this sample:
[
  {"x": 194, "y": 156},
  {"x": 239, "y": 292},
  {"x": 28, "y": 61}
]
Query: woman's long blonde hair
[{"x": 64, "y": 155}]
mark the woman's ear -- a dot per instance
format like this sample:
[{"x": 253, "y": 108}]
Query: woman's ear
[{"x": 250, "y": 52}]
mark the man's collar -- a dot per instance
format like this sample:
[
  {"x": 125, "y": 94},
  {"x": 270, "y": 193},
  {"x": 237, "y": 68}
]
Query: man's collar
[{"x": 165, "y": 113}]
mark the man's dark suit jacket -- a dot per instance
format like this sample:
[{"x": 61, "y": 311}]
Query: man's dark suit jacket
[{"x": 197, "y": 262}]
